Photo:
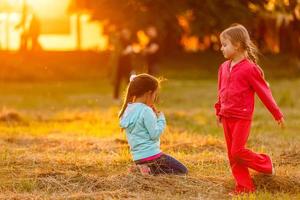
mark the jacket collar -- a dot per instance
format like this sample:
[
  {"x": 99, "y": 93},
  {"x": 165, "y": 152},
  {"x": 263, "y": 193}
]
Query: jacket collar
[{"x": 236, "y": 65}]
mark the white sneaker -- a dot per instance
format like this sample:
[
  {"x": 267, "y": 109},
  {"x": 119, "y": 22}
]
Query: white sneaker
[{"x": 273, "y": 169}]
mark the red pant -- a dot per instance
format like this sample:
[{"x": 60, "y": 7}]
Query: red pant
[{"x": 236, "y": 133}]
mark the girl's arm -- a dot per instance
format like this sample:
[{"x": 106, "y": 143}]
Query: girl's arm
[
  {"x": 218, "y": 103},
  {"x": 154, "y": 125},
  {"x": 262, "y": 89}
]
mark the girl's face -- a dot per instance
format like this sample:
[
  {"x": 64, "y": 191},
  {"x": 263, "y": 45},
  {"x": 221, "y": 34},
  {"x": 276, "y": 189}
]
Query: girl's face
[{"x": 228, "y": 49}]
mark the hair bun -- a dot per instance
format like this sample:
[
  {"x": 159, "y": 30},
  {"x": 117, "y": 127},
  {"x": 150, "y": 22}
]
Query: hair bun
[{"x": 132, "y": 77}]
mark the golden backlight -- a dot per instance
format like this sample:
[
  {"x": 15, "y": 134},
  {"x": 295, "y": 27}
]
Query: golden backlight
[{"x": 58, "y": 28}]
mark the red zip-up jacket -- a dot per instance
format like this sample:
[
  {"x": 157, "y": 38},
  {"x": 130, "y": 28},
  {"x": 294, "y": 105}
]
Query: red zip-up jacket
[{"x": 236, "y": 89}]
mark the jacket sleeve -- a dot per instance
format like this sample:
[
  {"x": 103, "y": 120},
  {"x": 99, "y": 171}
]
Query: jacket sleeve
[
  {"x": 154, "y": 125},
  {"x": 218, "y": 103},
  {"x": 263, "y": 91}
]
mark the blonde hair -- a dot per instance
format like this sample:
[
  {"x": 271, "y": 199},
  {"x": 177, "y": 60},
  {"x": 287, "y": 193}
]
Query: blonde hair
[{"x": 237, "y": 33}]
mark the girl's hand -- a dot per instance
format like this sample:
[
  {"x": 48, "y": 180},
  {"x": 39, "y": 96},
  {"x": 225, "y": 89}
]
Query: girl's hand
[
  {"x": 157, "y": 112},
  {"x": 281, "y": 122},
  {"x": 219, "y": 121}
]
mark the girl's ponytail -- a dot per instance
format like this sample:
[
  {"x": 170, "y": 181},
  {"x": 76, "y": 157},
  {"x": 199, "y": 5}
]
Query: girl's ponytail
[
  {"x": 237, "y": 33},
  {"x": 127, "y": 100},
  {"x": 252, "y": 52},
  {"x": 138, "y": 86}
]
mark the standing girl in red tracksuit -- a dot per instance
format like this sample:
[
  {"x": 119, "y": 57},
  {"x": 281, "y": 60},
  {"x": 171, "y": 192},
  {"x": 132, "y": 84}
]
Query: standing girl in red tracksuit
[{"x": 238, "y": 79}]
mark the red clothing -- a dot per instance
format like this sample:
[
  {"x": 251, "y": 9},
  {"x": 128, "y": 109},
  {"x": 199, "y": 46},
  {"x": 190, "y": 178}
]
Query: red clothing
[
  {"x": 236, "y": 90},
  {"x": 236, "y": 133},
  {"x": 235, "y": 105}
]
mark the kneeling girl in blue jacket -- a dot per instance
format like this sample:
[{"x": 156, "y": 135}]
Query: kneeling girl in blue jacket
[{"x": 144, "y": 125}]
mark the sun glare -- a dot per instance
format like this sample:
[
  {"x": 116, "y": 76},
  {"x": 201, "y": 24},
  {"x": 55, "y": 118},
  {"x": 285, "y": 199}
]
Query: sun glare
[{"x": 57, "y": 28}]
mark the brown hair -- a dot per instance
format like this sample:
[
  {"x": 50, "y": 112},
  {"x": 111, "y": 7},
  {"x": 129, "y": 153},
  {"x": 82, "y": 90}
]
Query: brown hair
[
  {"x": 141, "y": 84},
  {"x": 237, "y": 33}
]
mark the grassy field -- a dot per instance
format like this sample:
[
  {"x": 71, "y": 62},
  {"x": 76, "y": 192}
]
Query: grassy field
[{"x": 61, "y": 140}]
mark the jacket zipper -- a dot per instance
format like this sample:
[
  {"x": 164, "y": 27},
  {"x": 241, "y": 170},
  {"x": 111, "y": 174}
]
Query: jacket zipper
[{"x": 228, "y": 81}]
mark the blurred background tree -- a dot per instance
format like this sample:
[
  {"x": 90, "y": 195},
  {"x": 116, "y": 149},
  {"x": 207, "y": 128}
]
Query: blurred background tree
[{"x": 195, "y": 25}]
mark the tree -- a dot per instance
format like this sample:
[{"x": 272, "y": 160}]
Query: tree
[{"x": 207, "y": 16}]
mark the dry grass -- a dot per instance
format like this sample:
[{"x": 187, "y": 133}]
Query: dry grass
[{"x": 77, "y": 151}]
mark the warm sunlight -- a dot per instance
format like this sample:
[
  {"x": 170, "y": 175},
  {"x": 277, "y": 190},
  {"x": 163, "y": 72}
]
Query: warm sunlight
[
  {"x": 57, "y": 29},
  {"x": 150, "y": 99},
  {"x": 49, "y": 8}
]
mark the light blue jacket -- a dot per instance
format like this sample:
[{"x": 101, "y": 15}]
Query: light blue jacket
[{"x": 143, "y": 129}]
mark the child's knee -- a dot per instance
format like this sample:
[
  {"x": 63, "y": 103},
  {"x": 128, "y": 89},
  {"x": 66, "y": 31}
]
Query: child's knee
[{"x": 237, "y": 155}]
